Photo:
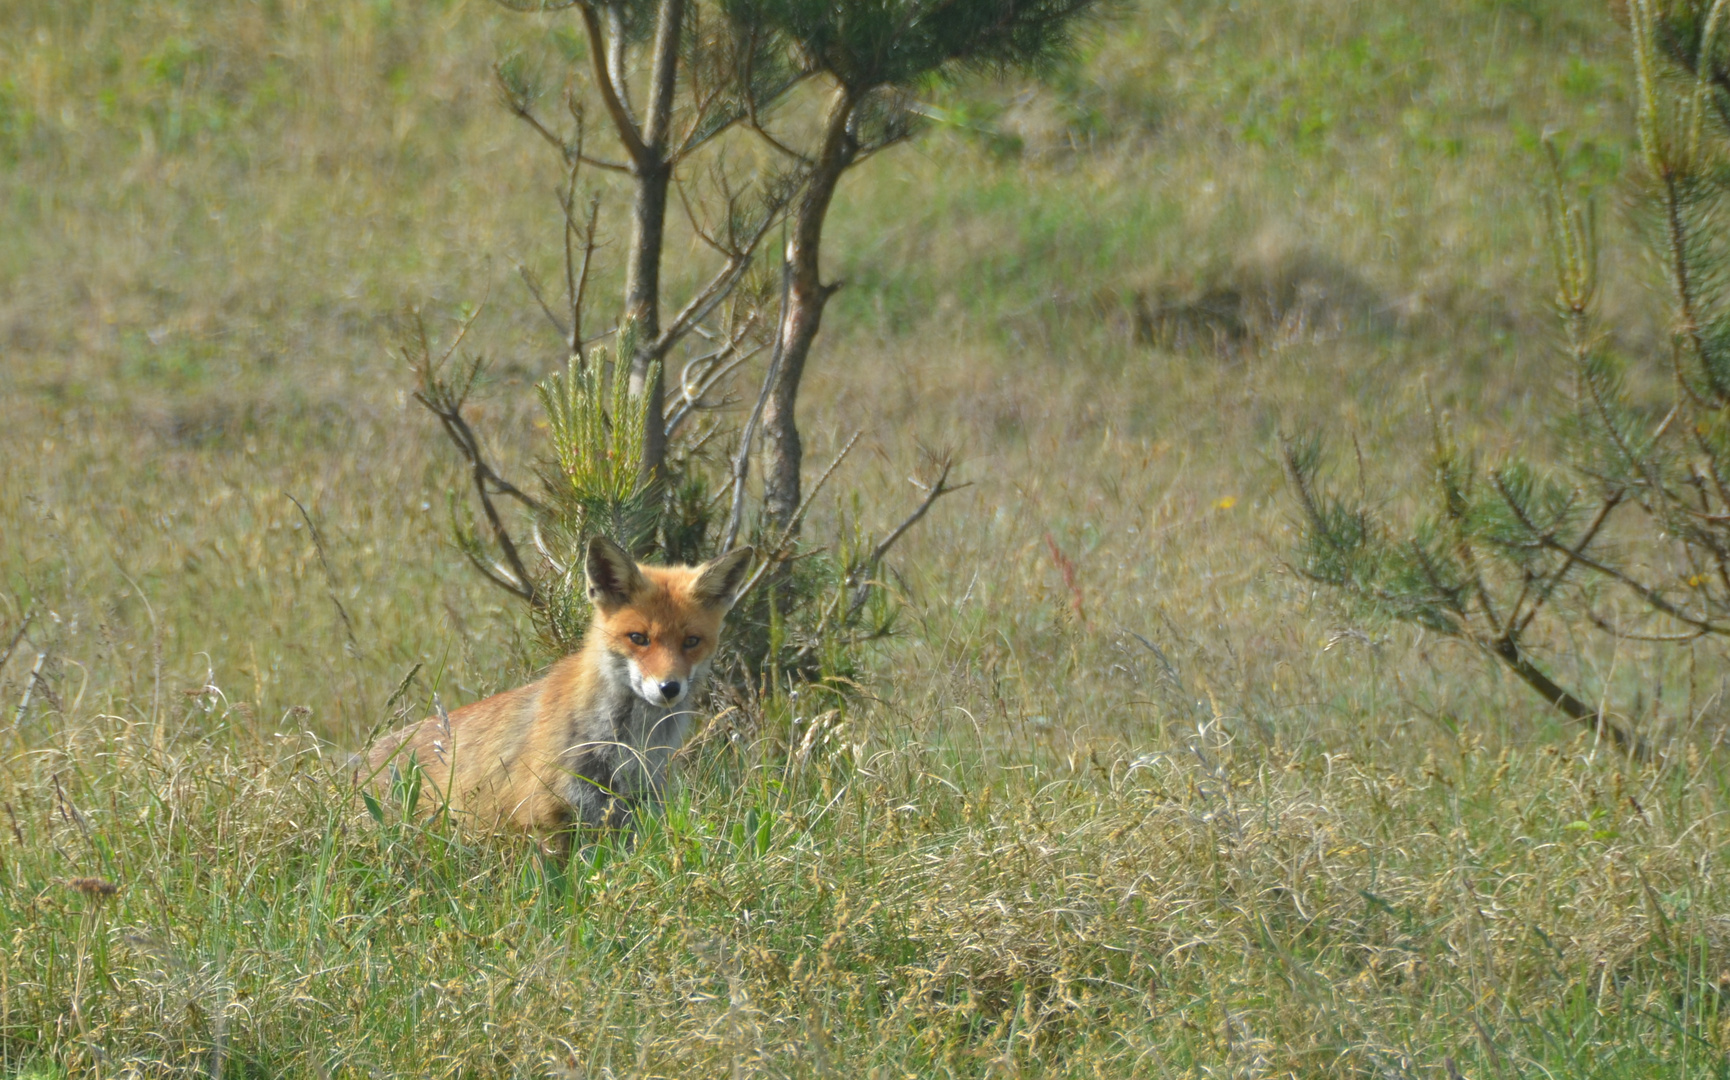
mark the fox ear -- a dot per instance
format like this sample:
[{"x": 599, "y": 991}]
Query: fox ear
[
  {"x": 613, "y": 575},
  {"x": 719, "y": 580}
]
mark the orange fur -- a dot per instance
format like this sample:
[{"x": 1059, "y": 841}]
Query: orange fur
[{"x": 591, "y": 739}]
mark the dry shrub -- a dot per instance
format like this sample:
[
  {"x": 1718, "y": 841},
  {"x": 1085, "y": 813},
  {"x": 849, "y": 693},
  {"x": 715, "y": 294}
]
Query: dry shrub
[{"x": 1276, "y": 291}]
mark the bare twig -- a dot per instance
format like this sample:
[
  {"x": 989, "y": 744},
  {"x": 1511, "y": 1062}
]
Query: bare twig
[
  {"x": 1609, "y": 505},
  {"x": 566, "y": 206},
  {"x": 792, "y": 528},
  {"x": 705, "y": 123},
  {"x": 460, "y": 433},
  {"x": 17, "y": 636},
  {"x": 754, "y": 122},
  {"x": 697, "y": 370},
  {"x": 868, "y": 569},
  {"x": 742, "y": 459},
  {"x": 577, "y": 280},
  {"x": 721, "y": 284},
  {"x": 862, "y": 576},
  {"x": 780, "y": 553},
  {"x": 445, "y": 400},
  {"x": 524, "y": 585},
  {"x": 696, "y": 224},
  {"x": 776, "y": 144},
  {"x": 697, "y": 444},
  {"x": 541, "y": 546},
  {"x": 568, "y": 151},
  {"x": 329, "y": 574},
  {"x": 1510, "y": 653},
  {"x": 29, "y": 689},
  {"x": 1609, "y": 626},
  {"x": 534, "y": 288},
  {"x": 1646, "y": 593},
  {"x": 691, "y": 399},
  {"x": 504, "y": 579},
  {"x": 932, "y": 493}
]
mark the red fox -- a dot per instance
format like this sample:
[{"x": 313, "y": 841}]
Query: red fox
[{"x": 590, "y": 740}]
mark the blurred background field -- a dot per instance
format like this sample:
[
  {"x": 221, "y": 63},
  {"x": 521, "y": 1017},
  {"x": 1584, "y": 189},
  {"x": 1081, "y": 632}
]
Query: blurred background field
[
  {"x": 214, "y": 212},
  {"x": 1123, "y": 797}
]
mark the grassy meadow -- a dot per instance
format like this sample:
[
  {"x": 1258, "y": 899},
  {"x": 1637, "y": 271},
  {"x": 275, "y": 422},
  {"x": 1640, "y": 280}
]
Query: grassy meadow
[{"x": 1123, "y": 797}]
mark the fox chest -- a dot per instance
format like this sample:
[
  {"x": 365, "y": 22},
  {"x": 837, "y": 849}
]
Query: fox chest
[{"x": 626, "y": 750}]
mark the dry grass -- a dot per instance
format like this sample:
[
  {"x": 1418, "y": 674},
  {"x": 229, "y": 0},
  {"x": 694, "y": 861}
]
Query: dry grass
[{"x": 1281, "y": 844}]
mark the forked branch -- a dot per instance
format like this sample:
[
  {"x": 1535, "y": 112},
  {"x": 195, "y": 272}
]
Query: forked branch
[
  {"x": 608, "y": 67},
  {"x": 704, "y": 374},
  {"x": 867, "y": 571},
  {"x": 577, "y": 274},
  {"x": 1347, "y": 551},
  {"x": 518, "y": 102},
  {"x": 862, "y": 576},
  {"x": 445, "y": 397},
  {"x": 739, "y": 249}
]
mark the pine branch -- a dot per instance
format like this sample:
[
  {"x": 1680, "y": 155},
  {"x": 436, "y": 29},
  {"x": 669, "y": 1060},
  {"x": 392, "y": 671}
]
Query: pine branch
[
  {"x": 1650, "y": 595},
  {"x": 1510, "y": 654},
  {"x": 1611, "y": 501}
]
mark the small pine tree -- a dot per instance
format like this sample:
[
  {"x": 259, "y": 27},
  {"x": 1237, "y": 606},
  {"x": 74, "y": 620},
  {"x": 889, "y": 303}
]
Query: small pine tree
[
  {"x": 708, "y": 66},
  {"x": 1640, "y": 505}
]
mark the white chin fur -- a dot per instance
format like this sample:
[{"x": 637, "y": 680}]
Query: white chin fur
[{"x": 650, "y": 691}]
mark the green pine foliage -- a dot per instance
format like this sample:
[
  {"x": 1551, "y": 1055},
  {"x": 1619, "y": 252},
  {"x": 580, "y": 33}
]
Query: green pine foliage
[
  {"x": 595, "y": 484},
  {"x": 878, "y": 43}
]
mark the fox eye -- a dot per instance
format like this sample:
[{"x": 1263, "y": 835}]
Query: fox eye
[
  {"x": 638, "y": 638},
  {"x": 693, "y": 641}
]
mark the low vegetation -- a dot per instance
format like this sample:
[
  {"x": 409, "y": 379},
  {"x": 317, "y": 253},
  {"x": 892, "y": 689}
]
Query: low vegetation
[
  {"x": 1123, "y": 795},
  {"x": 1627, "y": 537}
]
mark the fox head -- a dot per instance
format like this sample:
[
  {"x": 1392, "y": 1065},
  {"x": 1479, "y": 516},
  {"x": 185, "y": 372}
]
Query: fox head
[{"x": 662, "y": 622}]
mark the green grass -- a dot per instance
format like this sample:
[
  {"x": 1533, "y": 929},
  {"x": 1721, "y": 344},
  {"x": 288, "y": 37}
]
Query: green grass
[
  {"x": 1284, "y": 845},
  {"x": 910, "y": 904}
]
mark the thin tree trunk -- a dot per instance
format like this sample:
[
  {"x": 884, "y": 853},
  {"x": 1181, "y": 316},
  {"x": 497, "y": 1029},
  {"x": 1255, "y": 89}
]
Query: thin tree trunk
[
  {"x": 653, "y": 172},
  {"x": 806, "y": 297},
  {"x": 642, "y": 303}
]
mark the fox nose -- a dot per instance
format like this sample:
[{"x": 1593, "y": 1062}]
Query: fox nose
[{"x": 670, "y": 689}]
